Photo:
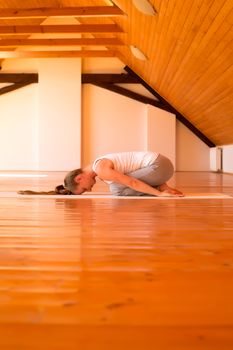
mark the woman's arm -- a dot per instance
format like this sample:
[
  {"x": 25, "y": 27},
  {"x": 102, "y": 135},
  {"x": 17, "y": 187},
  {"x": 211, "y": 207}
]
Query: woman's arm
[{"x": 105, "y": 171}]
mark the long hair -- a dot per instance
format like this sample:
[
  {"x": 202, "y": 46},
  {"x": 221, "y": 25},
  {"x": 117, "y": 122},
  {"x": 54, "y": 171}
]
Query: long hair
[{"x": 66, "y": 189}]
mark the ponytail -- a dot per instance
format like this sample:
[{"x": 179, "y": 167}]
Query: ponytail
[
  {"x": 58, "y": 190},
  {"x": 70, "y": 185},
  {"x": 35, "y": 192}
]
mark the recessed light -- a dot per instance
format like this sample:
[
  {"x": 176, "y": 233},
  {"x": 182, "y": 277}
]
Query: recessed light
[
  {"x": 138, "y": 53},
  {"x": 145, "y": 7}
]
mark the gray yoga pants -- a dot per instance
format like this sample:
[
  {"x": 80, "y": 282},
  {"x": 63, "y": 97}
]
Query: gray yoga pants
[{"x": 154, "y": 175}]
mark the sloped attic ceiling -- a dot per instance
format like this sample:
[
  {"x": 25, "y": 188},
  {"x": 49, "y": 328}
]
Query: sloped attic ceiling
[{"x": 188, "y": 45}]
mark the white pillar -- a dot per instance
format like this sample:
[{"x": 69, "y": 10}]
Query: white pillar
[{"x": 59, "y": 114}]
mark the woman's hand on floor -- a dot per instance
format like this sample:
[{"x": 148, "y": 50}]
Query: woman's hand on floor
[{"x": 171, "y": 193}]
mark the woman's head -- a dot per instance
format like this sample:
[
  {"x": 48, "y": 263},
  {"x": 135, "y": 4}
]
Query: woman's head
[
  {"x": 70, "y": 180},
  {"x": 70, "y": 184},
  {"x": 76, "y": 182}
]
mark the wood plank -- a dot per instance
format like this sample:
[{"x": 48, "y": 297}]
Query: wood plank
[
  {"x": 47, "y": 54},
  {"x": 169, "y": 12},
  {"x": 62, "y": 42},
  {"x": 205, "y": 22},
  {"x": 173, "y": 37},
  {"x": 60, "y": 337},
  {"x": 81, "y": 271},
  {"x": 43, "y": 12},
  {"x": 219, "y": 53},
  {"x": 189, "y": 50},
  {"x": 79, "y": 28}
]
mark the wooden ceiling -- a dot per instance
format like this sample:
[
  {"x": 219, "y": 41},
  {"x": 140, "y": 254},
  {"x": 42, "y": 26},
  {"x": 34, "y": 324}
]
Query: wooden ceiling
[{"x": 188, "y": 45}]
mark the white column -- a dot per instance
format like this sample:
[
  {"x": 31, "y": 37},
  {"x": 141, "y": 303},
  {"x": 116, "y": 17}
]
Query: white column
[{"x": 59, "y": 114}]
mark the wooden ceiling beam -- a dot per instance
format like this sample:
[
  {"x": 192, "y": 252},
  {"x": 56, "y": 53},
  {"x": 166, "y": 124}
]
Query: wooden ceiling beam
[
  {"x": 57, "y": 54},
  {"x": 54, "y": 29},
  {"x": 88, "y": 78},
  {"x": 18, "y": 77},
  {"x": 133, "y": 95},
  {"x": 13, "y": 87},
  {"x": 61, "y": 42},
  {"x": 43, "y": 12},
  {"x": 17, "y": 80}
]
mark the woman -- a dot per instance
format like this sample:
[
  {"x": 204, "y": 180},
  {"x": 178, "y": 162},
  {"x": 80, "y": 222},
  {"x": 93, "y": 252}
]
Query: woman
[{"x": 127, "y": 174}]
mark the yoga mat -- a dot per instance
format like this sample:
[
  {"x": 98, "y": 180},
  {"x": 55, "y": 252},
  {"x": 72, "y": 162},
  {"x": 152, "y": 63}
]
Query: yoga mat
[{"x": 99, "y": 195}]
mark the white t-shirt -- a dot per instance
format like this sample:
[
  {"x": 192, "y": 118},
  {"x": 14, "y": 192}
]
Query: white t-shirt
[{"x": 127, "y": 162}]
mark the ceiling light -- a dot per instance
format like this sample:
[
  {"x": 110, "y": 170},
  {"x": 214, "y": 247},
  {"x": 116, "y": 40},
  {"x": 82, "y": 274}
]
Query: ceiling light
[
  {"x": 138, "y": 53},
  {"x": 145, "y": 7}
]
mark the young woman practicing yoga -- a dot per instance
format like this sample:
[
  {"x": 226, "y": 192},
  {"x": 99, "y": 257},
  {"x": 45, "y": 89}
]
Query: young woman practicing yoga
[{"x": 126, "y": 173}]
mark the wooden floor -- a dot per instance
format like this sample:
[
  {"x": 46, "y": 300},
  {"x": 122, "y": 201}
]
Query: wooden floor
[{"x": 109, "y": 274}]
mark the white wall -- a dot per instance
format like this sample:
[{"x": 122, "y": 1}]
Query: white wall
[
  {"x": 227, "y": 154},
  {"x": 115, "y": 123},
  {"x": 18, "y": 150},
  {"x": 111, "y": 123},
  {"x": 161, "y": 132},
  {"x": 186, "y": 150},
  {"x": 192, "y": 154},
  {"x": 41, "y": 123},
  {"x": 102, "y": 65}
]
